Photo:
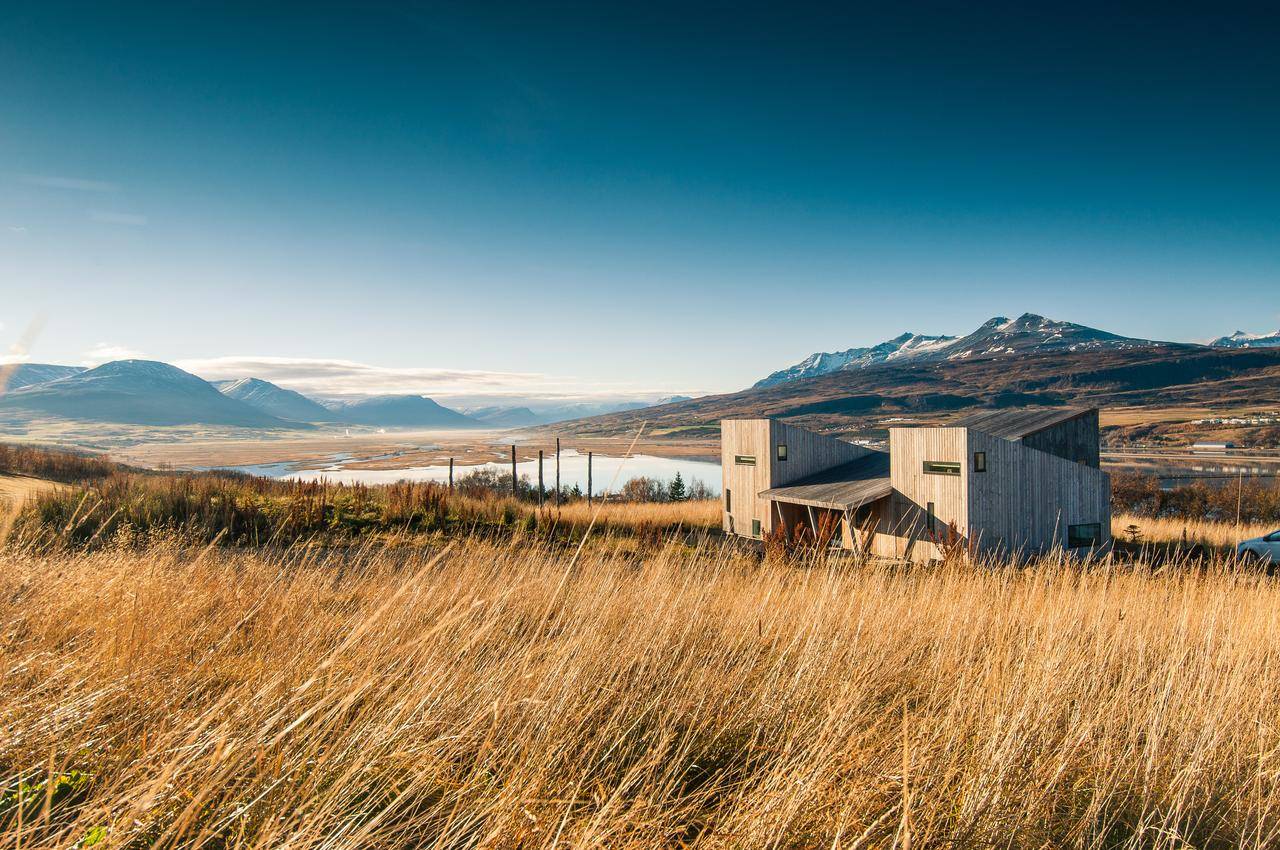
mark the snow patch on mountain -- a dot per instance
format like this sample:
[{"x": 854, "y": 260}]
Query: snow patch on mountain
[
  {"x": 999, "y": 336},
  {"x": 1240, "y": 339}
]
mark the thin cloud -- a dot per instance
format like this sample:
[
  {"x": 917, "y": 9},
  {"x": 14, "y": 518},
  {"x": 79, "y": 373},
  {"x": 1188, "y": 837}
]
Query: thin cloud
[
  {"x": 348, "y": 378},
  {"x": 105, "y": 352},
  {"x": 50, "y": 181},
  {"x": 110, "y": 217},
  {"x": 17, "y": 229}
]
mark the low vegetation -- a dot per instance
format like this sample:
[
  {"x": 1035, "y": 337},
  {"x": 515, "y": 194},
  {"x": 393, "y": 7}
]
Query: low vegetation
[
  {"x": 500, "y": 693},
  {"x": 1250, "y": 501},
  {"x": 231, "y": 508},
  {"x": 63, "y": 466}
]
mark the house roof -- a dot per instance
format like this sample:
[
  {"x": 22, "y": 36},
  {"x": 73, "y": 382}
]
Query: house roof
[
  {"x": 1017, "y": 423},
  {"x": 843, "y": 487}
]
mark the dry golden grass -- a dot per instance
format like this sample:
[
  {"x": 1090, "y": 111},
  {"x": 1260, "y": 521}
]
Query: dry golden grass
[
  {"x": 1217, "y": 535},
  {"x": 497, "y": 695},
  {"x": 701, "y": 514}
]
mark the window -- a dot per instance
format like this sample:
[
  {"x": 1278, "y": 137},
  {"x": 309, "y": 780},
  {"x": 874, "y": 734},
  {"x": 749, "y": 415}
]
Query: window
[
  {"x": 931, "y": 518},
  {"x": 937, "y": 467},
  {"x": 782, "y": 451},
  {"x": 1087, "y": 534},
  {"x": 728, "y": 500},
  {"x": 755, "y": 528},
  {"x": 979, "y": 461},
  {"x": 744, "y": 460}
]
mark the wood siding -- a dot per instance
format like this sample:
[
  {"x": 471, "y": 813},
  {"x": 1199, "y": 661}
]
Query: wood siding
[
  {"x": 1076, "y": 439},
  {"x": 904, "y": 529},
  {"x": 1023, "y": 503},
  {"x": 1027, "y": 498},
  {"x": 807, "y": 453}
]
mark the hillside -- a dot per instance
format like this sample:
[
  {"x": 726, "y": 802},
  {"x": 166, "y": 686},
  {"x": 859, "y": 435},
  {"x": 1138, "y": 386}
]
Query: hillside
[
  {"x": 275, "y": 401},
  {"x": 15, "y": 376},
  {"x": 137, "y": 392},
  {"x": 1164, "y": 374}
]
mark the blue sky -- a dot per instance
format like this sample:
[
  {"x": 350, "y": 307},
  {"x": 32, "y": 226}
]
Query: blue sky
[{"x": 590, "y": 199}]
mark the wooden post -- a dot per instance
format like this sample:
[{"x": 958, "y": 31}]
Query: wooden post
[
  {"x": 557, "y": 472},
  {"x": 588, "y": 478},
  {"x": 1239, "y": 495},
  {"x": 450, "y": 473},
  {"x": 540, "y": 490},
  {"x": 514, "y": 492}
]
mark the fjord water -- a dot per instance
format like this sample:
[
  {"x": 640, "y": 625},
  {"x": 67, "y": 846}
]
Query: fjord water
[{"x": 608, "y": 472}]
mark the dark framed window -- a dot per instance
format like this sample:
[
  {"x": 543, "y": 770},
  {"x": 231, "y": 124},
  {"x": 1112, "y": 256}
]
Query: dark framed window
[
  {"x": 782, "y": 451},
  {"x": 979, "y": 461},
  {"x": 931, "y": 517},
  {"x": 1085, "y": 534},
  {"x": 728, "y": 499},
  {"x": 755, "y": 528},
  {"x": 744, "y": 460},
  {"x": 939, "y": 467}
]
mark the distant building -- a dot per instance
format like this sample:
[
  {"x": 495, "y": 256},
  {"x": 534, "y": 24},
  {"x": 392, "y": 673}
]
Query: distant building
[
  {"x": 999, "y": 481},
  {"x": 1211, "y": 448}
]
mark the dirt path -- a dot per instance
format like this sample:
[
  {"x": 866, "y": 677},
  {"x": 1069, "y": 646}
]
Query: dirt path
[{"x": 16, "y": 489}]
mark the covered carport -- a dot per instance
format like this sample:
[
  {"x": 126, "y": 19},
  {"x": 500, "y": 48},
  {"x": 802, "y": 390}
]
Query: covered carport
[{"x": 841, "y": 506}]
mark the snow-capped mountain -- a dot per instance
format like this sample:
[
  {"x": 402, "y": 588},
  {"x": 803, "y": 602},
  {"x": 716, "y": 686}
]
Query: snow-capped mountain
[
  {"x": 18, "y": 375},
  {"x": 997, "y": 337},
  {"x": 139, "y": 392},
  {"x": 277, "y": 401},
  {"x": 1240, "y": 339},
  {"x": 909, "y": 346}
]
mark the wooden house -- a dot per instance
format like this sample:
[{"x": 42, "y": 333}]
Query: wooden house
[{"x": 1006, "y": 481}]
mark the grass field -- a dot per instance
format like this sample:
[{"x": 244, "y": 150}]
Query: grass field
[{"x": 503, "y": 694}]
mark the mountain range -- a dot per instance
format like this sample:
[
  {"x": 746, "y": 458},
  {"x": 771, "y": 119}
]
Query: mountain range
[
  {"x": 136, "y": 392},
  {"x": 997, "y": 337},
  {"x": 147, "y": 392},
  {"x": 1028, "y": 361}
]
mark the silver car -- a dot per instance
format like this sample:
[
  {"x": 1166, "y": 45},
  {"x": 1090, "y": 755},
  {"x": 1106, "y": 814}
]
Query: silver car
[{"x": 1265, "y": 548}]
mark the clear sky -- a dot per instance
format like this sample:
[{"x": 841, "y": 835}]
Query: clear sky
[{"x": 623, "y": 198}]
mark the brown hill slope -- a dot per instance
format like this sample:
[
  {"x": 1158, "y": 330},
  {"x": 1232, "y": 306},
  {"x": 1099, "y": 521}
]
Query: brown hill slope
[{"x": 1148, "y": 376}]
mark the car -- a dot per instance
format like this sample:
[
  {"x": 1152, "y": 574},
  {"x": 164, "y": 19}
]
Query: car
[{"x": 1265, "y": 548}]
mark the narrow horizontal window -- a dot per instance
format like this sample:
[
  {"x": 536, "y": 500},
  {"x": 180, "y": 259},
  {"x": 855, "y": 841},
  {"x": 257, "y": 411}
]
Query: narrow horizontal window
[
  {"x": 782, "y": 451},
  {"x": 1086, "y": 534},
  {"x": 744, "y": 460},
  {"x": 938, "y": 467},
  {"x": 979, "y": 461}
]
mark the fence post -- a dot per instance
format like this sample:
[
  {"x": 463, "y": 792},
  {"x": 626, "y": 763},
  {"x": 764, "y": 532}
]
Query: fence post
[
  {"x": 540, "y": 490},
  {"x": 450, "y": 473},
  {"x": 514, "y": 493},
  {"x": 588, "y": 479},
  {"x": 557, "y": 472}
]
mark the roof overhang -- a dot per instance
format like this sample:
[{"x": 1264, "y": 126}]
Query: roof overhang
[{"x": 870, "y": 492}]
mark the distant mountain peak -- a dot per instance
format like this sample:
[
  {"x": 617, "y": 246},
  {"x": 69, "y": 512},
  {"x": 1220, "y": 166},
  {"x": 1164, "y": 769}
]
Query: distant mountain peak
[
  {"x": 139, "y": 392},
  {"x": 1242, "y": 339},
  {"x": 998, "y": 336},
  {"x": 275, "y": 400}
]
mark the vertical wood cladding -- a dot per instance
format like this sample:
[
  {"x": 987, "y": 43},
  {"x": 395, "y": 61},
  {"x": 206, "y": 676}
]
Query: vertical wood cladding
[
  {"x": 1030, "y": 493},
  {"x": 1076, "y": 439},
  {"x": 807, "y": 453}
]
